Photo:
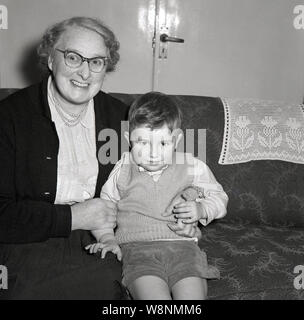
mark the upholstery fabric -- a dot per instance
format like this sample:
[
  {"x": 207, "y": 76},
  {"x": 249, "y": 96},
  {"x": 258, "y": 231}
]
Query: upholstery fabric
[{"x": 255, "y": 262}]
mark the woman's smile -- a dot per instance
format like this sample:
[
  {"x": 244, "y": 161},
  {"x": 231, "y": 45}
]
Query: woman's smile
[{"x": 80, "y": 84}]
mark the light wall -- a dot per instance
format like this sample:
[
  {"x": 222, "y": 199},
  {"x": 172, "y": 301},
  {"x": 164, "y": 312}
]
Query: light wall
[
  {"x": 28, "y": 19},
  {"x": 254, "y": 49}
]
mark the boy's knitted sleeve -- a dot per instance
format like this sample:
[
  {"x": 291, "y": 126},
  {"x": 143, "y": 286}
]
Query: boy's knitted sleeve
[{"x": 214, "y": 200}]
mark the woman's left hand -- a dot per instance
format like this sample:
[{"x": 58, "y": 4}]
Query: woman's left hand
[
  {"x": 188, "y": 229},
  {"x": 185, "y": 230},
  {"x": 188, "y": 212}
]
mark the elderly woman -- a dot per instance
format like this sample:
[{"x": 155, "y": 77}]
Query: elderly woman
[{"x": 50, "y": 174}]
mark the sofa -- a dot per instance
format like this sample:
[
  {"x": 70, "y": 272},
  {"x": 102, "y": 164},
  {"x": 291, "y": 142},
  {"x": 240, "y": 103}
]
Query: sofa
[{"x": 258, "y": 245}]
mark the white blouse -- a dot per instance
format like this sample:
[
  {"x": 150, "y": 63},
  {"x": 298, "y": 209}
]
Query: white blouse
[{"x": 77, "y": 162}]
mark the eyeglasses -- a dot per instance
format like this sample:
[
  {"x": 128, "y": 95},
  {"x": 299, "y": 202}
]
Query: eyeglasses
[{"x": 74, "y": 60}]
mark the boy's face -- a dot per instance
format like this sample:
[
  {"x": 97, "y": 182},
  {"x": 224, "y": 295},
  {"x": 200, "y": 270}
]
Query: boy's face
[{"x": 153, "y": 149}]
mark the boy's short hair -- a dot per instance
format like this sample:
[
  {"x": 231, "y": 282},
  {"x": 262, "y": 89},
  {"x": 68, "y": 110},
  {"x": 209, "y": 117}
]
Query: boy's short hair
[{"x": 155, "y": 109}]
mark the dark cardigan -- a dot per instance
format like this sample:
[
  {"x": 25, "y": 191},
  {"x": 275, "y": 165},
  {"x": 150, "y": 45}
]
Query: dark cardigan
[{"x": 28, "y": 163}]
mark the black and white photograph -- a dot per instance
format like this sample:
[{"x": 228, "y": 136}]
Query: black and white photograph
[{"x": 153, "y": 151}]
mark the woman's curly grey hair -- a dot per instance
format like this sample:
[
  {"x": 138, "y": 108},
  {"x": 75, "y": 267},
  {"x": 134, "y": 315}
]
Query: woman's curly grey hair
[{"x": 53, "y": 34}]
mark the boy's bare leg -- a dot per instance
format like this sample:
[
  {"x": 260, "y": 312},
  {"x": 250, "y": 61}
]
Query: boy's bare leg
[
  {"x": 149, "y": 288},
  {"x": 191, "y": 288}
]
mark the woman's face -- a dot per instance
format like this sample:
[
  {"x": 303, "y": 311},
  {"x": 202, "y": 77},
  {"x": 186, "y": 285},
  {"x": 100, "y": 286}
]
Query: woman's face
[{"x": 77, "y": 85}]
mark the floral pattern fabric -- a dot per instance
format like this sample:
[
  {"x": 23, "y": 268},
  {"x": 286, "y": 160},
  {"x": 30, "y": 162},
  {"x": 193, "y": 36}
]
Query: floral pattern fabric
[
  {"x": 261, "y": 130},
  {"x": 255, "y": 262}
]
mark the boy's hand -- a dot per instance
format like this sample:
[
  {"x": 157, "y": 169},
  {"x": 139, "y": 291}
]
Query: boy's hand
[
  {"x": 105, "y": 247},
  {"x": 189, "y": 211}
]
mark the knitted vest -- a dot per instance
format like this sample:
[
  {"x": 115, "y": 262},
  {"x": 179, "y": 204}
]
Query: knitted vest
[{"x": 143, "y": 201}]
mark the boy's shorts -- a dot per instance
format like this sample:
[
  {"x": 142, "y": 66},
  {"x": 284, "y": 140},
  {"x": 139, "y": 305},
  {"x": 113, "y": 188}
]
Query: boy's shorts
[{"x": 169, "y": 260}]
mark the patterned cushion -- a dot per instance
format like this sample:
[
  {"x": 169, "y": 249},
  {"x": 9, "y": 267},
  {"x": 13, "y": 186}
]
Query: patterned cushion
[{"x": 255, "y": 262}]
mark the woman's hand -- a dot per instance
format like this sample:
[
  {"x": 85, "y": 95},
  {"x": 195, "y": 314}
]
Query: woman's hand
[
  {"x": 94, "y": 214},
  {"x": 186, "y": 213},
  {"x": 177, "y": 199},
  {"x": 184, "y": 205},
  {"x": 189, "y": 211},
  {"x": 185, "y": 230}
]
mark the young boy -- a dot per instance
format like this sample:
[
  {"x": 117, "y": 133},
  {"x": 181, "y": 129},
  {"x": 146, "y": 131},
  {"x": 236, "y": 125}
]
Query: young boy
[{"x": 158, "y": 263}]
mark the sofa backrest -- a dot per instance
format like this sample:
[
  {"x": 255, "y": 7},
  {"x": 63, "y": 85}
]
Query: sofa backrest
[{"x": 260, "y": 192}]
